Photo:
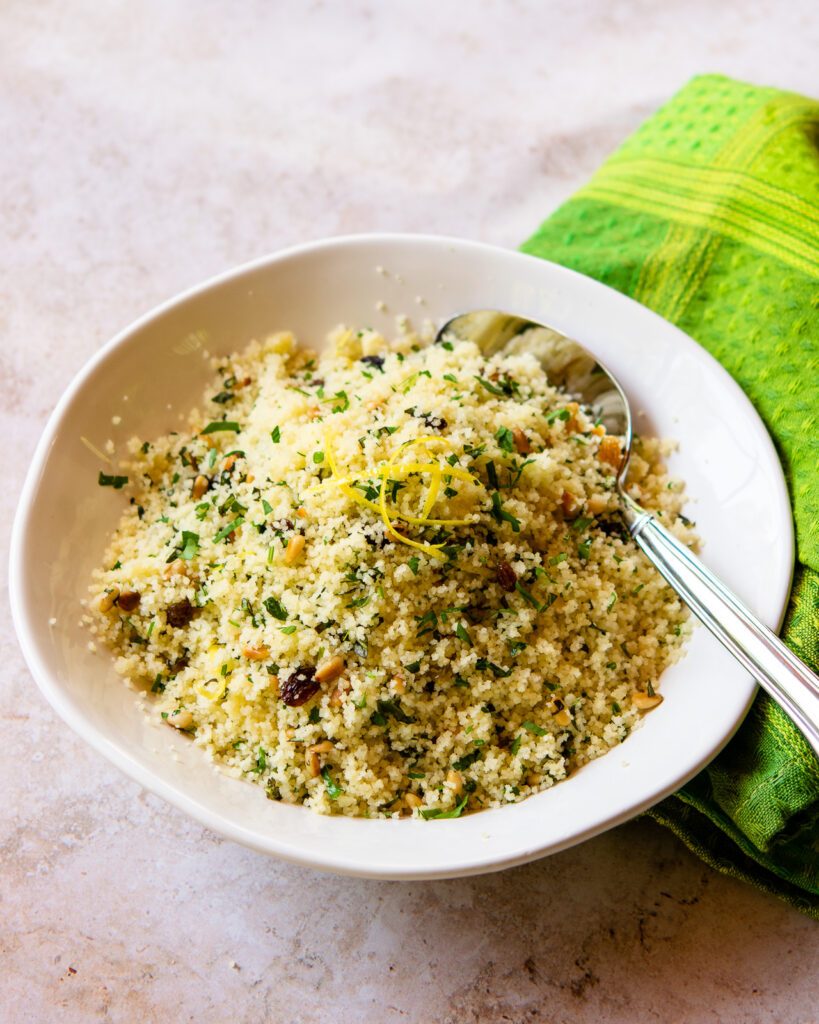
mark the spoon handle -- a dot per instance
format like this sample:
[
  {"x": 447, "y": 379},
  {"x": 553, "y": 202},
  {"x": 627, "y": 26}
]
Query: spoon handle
[{"x": 777, "y": 669}]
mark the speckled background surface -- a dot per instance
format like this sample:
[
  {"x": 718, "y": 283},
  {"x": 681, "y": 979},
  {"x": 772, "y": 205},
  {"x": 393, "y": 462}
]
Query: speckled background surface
[{"x": 147, "y": 146}]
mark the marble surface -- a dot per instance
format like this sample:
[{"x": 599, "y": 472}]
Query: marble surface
[{"x": 147, "y": 146}]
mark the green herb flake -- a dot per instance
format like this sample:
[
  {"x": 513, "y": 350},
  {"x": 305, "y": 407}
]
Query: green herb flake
[
  {"x": 287, "y": 630},
  {"x": 117, "y": 482},
  {"x": 438, "y": 813},
  {"x": 413, "y": 563},
  {"x": 462, "y": 633},
  {"x": 261, "y": 760},
  {"x": 226, "y": 531},
  {"x": 190, "y": 545},
  {"x": 557, "y": 559},
  {"x": 536, "y": 730},
  {"x": 275, "y": 608},
  {"x": 515, "y": 745},
  {"x": 501, "y": 515},
  {"x": 334, "y": 791},
  {"x": 505, "y": 439},
  {"x": 275, "y": 435},
  {"x": 466, "y": 761},
  {"x": 219, "y": 425}
]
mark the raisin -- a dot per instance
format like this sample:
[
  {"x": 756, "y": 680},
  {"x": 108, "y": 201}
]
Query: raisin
[
  {"x": 180, "y": 613},
  {"x": 377, "y": 361},
  {"x": 299, "y": 687},
  {"x": 506, "y": 576},
  {"x": 128, "y": 600}
]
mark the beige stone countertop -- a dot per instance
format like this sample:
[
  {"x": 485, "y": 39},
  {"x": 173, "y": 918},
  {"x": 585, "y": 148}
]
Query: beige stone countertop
[{"x": 149, "y": 145}]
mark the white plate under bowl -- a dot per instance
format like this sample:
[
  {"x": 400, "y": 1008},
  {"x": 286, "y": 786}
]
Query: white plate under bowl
[{"x": 154, "y": 369}]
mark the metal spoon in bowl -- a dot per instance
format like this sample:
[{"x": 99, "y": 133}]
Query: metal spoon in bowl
[{"x": 572, "y": 368}]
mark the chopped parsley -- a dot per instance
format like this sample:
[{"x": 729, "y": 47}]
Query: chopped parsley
[
  {"x": 536, "y": 730},
  {"x": 506, "y": 441},
  {"x": 437, "y": 813},
  {"x": 501, "y": 515},
  {"x": 217, "y": 425},
  {"x": 226, "y": 531},
  {"x": 275, "y": 435},
  {"x": 117, "y": 482},
  {"x": 334, "y": 791},
  {"x": 275, "y": 608}
]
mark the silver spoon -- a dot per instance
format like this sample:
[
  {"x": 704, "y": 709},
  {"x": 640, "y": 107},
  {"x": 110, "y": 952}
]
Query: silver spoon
[{"x": 571, "y": 367}]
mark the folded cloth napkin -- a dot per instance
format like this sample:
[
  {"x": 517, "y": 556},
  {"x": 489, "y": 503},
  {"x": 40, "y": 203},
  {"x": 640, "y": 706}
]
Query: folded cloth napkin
[{"x": 709, "y": 215}]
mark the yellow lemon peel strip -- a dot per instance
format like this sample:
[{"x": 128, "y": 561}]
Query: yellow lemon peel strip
[{"x": 390, "y": 469}]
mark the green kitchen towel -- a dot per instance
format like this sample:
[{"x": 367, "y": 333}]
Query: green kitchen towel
[{"x": 709, "y": 215}]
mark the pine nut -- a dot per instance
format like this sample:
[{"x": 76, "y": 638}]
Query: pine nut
[
  {"x": 256, "y": 653},
  {"x": 294, "y": 548},
  {"x": 330, "y": 670},
  {"x": 522, "y": 445},
  {"x": 456, "y": 781},
  {"x": 646, "y": 701},
  {"x": 200, "y": 485},
  {"x": 180, "y": 719},
  {"x": 412, "y": 800},
  {"x": 108, "y": 599}
]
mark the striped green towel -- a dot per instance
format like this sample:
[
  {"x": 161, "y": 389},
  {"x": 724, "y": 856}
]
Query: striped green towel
[{"x": 709, "y": 214}]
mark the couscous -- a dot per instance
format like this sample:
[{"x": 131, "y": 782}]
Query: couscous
[{"x": 390, "y": 579}]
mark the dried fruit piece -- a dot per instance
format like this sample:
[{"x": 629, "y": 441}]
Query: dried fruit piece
[
  {"x": 180, "y": 613},
  {"x": 506, "y": 576},
  {"x": 299, "y": 687}
]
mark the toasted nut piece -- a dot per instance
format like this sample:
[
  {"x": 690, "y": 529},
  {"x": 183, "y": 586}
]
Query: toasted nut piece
[
  {"x": 294, "y": 548},
  {"x": 569, "y": 503},
  {"x": 533, "y": 779},
  {"x": 314, "y": 412},
  {"x": 321, "y": 748},
  {"x": 249, "y": 478},
  {"x": 315, "y": 764},
  {"x": 609, "y": 451},
  {"x": 108, "y": 598},
  {"x": 597, "y": 503},
  {"x": 200, "y": 485},
  {"x": 412, "y": 800},
  {"x": 180, "y": 719},
  {"x": 229, "y": 463},
  {"x": 178, "y": 567},
  {"x": 302, "y": 513},
  {"x": 571, "y": 423},
  {"x": 646, "y": 701},
  {"x": 522, "y": 445},
  {"x": 209, "y": 440},
  {"x": 330, "y": 670},
  {"x": 129, "y": 599},
  {"x": 563, "y": 718},
  {"x": 397, "y": 684},
  {"x": 600, "y": 430},
  {"x": 455, "y": 780},
  {"x": 256, "y": 653},
  {"x": 337, "y": 696}
]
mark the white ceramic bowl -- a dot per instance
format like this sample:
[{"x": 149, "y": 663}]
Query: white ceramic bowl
[{"x": 155, "y": 366}]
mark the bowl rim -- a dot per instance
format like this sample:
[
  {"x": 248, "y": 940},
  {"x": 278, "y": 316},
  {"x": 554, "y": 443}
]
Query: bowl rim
[{"x": 317, "y": 858}]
